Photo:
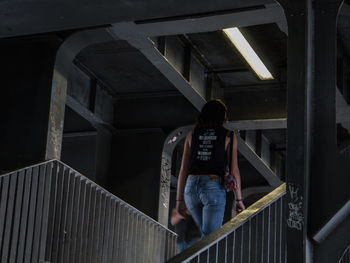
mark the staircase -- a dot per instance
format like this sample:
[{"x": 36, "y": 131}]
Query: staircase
[
  {"x": 51, "y": 213},
  {"x": 258, "y": 234}
]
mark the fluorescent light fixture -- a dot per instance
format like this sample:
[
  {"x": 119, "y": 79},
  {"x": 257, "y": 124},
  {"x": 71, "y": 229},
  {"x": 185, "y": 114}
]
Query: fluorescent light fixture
[{"x": 248, "y": 53}]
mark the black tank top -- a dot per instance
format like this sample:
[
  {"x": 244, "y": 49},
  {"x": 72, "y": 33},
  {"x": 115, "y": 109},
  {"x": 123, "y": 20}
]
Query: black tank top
[{"x": 208, "y": 154}]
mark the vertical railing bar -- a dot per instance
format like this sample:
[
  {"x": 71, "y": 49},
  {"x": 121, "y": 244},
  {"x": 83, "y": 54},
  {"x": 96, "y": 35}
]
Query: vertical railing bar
[
  {"x": 91, "y": 224},
  {"x": 208, "y": 255},
  {"x": 86, "y": 216},
  {"x": 275, "y": 234},
  {"x": 138, "y": 231},
  {"x": 137, "y": 239},
  {"x": 130, "y": 257},
  {"x": 281, "y": 230},
  {"x": 82, "y": 200},
  {"x": 68, "y": 224},
  {"x": 124, "y": 226},
  {"x": 52, "y": 211},
  {"x": 58, "y": 213},
  {"x": 124, "y": 233},
  {"x": 46, "y": 209},
  {"x": 99, "y": 257},
  {"x": 17, "y": 217},
  {"x": 167, "y": 247},
  {"x": 226, "y": 249},
  {"x": 131, "y": 236},
  {"x": 133, "y": 240},
  {"x": 78, "y": 184},
  {"x": 94, "y": 256},
  {"x": 130, "y": 230},
  {"x": 31, "y": 215},
  {"x": 163, "y": 244},
  {"x": 159, "y": 243},
  {"x": 142, "y": 245},
  {"x": 250, "y": 238},
  {"x": 233, "y": 245},
  {"x": 106, "y": 230},
  {"x": 3, "y": 207},
  {"x": 263, "y": 234},
  {"x": 149, "y": 230},
  {"x": 242, "y": 243},
  {"x": 118, "y": 229},
  {"x": 284, "y": 229},
  {"x": 64, "y": 209},
  {"x": 269, "y": 231},
  {"x": 172, "y": 245},
  {"x": 39, "y": 213},
  {"x": 256, "y": 238},
  {"x": 145, "y": 231},
  {"x": 24, "y": 216},
  {"x": 10, "y": 213},
  {"x": 2, "y": 210},
  {"x": 111, "y": 231},
  {"x": 156, "y": 243}
]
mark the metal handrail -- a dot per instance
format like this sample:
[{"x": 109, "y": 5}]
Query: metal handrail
[
  {"x": 256, "y": 233},
  {"x": 51, "y": 213}
]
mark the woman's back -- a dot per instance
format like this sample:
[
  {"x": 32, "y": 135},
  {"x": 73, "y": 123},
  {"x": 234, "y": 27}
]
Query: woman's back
[{"x": 208, "y": 151}]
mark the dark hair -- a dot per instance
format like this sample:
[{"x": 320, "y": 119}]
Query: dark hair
[{"x": 213, "y": 114}]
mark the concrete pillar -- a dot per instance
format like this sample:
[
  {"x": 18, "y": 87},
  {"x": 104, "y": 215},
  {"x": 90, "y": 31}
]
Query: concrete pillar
[{"x": 317, "y": 178}]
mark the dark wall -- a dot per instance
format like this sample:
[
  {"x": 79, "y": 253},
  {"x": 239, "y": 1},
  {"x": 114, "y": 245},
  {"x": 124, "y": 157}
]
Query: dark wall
[
  {"x": 257, "y": 104},
  {"x": 136, "y": 159},
  {"x": 103, "y": 156},
  {"x": 87, "y": 146},
  {"x": 79, "y": 152},
  {"x": 169, "y": 112},
  {"x": 26, "y": 68},
  {"x": 79, "y": 144}
]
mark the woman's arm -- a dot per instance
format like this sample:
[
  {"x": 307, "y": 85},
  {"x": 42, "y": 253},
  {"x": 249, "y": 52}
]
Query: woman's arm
[
  {"x": 180, "y": 203},
  {"x": 235, "y": 172}
]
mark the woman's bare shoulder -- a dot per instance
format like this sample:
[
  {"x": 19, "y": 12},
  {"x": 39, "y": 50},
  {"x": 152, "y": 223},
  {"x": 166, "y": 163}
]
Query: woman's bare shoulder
[{"x": 189, "y": 138}]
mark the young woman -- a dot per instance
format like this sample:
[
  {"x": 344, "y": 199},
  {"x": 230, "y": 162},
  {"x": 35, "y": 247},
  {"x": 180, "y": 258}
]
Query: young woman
[{"x": 203, "y": 167}]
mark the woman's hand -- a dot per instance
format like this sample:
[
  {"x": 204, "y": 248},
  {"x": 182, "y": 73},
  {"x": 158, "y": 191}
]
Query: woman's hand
[
  {"x": 239, "y": 206},
  {"x": 181, "y": 208}
]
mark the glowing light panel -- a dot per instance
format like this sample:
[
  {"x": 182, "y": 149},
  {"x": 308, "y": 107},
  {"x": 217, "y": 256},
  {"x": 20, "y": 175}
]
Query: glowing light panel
[{"x": 248, "y": 53}]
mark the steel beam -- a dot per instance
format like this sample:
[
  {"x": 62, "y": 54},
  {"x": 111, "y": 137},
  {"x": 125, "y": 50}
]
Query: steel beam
[
  {"x": 131, "y": 33},
  {"x": 299, "y": 86},
  {"x": 87, "y": 114},
  {"x": 257, "y": 163},
  {"x": 270, "y": 14},
  {"x": 257, "y": 124}
]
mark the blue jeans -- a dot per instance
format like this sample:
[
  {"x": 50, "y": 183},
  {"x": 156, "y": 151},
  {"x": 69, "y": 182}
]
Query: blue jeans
[{"x": 205, "y": 199}]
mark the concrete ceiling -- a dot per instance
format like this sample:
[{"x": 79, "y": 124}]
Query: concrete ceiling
[
  {"x": 126, "y": 70},
  {"x": 33, "y": 17},
  {"x": 125, "y": 67}
]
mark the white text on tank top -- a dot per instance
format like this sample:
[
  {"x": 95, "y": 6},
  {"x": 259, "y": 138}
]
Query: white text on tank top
[{"x": 206, "y": 144}]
